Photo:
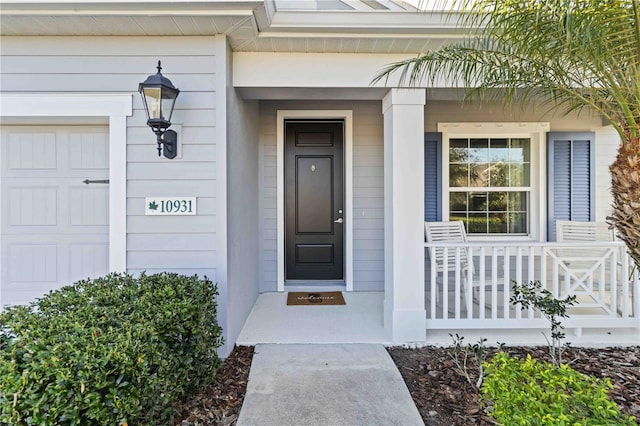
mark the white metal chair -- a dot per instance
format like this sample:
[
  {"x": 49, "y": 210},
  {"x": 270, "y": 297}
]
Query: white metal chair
[
  {"x": 449, "y": 232},
  {"x": 582, "y": 260},
  {"x": 454, "y": 232}
]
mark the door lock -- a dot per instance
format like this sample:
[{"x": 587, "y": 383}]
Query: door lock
[{"x": 338, "y": 220}]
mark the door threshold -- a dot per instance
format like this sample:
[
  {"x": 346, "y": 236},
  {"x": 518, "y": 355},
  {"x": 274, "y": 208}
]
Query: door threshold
[{"x": 314, "y": 285}]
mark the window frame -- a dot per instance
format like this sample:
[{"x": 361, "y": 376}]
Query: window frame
[{"x": 536, "y": 133}]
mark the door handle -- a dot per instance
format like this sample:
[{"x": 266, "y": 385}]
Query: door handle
[
  {"x": 88, "y": 181},
  {"x": 338, "y": 220}
]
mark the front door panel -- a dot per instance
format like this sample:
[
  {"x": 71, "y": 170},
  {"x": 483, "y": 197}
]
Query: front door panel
[{"x": 314, "y": 205}]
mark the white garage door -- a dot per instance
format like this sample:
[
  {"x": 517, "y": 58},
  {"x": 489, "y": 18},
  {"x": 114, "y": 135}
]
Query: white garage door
[{"x": 55, "y": 228}]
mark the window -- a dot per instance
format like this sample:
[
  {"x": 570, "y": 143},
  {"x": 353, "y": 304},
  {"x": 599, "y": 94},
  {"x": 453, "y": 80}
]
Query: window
[
  {"x": 492, "y": 179},
  {"x": 489, "y": 184}
]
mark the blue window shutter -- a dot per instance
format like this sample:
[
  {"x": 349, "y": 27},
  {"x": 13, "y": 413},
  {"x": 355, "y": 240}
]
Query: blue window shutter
[
  {"x": 433, "y": 176},
  {"x": 571, "y": 178}
]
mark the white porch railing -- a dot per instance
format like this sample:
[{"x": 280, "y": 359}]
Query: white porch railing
[{"x": 600, "y": 274}]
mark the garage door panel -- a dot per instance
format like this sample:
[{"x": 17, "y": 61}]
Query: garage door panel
[
  {"x": 33, "y": 263},
  {"x": 54, "y": 227},
  {"x": 88, "y": 150},
  {"x": 33, "y": 206},
  {"x": 32, "y": 150},
  {"x": 89, "y": 206},
  {"x": 88, "y": 260}
]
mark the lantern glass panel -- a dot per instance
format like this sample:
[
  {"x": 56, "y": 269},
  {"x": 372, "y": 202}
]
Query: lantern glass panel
[
  {"x": 152, "y": 102},
  {"x": 168, "y": 99}
]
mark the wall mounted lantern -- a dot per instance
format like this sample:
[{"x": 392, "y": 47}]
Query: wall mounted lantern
[{"x": 159, "y": 97}]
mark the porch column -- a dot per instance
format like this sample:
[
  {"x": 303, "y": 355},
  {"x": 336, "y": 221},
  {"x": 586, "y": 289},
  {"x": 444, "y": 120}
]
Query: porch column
[{"x": 404, "y": 310}]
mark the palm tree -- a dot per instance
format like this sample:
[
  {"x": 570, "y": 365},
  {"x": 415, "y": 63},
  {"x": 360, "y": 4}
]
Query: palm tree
[{"x": 571, "y": 55}]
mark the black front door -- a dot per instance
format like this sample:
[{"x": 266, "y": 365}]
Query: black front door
[{"x": 314, "y": 205}]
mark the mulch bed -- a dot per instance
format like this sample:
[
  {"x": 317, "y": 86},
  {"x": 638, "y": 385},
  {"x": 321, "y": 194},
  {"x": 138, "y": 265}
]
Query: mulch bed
[
  {"x": 220, "y": 404},
  {"x": 442, "y": 396}
]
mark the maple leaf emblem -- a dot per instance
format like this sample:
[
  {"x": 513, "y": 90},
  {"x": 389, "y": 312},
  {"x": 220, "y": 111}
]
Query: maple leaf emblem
[{"x": 153, "y": 206}]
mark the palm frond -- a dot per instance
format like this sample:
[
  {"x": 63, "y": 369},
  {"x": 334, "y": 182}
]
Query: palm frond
[{"x": 573, "y": 54}]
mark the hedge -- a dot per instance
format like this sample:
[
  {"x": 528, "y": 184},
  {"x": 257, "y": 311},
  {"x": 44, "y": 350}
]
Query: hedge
[{"x": 117, "y": 350}]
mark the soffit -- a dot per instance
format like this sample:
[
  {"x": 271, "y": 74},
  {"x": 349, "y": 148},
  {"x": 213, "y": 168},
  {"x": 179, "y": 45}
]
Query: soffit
[{"x": 250, "y": 25}]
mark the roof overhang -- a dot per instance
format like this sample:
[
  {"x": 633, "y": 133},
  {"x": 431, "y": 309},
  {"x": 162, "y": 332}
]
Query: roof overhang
[{"x": 250, "y": 25}]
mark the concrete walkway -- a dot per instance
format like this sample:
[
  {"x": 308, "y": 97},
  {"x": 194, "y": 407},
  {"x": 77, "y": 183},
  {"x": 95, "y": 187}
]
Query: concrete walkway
[{"x": 339, "y": 384}]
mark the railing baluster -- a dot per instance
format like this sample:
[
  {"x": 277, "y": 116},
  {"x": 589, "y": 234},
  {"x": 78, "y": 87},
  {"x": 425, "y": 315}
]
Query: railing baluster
[
  {"x": 636, "y": 292},
  {"x": 433, "y": 272},
  {"x": 458, "y": 283},
  {"x": 469, "y": 289},
  {"x": 613, "y": 286},
  {"x": 530, "y": 275},
  {"x": 494, "y": 281},
  {"x": 445, "y": 283},
  {"x": 481, "y": 284},
  {"x": 625, "y": 283},
  {"x": 518, "y": 306},
  {"x": 507, "y": 283},
  {"x": 555, "y": 274},
  {"x": 601, "y": 279}
]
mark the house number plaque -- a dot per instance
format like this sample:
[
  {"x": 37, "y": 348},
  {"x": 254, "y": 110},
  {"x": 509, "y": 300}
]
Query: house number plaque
[{"x": 170, "y": 206}]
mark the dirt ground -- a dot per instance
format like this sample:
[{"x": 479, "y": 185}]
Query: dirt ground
[{"x": 442, "y": 395}]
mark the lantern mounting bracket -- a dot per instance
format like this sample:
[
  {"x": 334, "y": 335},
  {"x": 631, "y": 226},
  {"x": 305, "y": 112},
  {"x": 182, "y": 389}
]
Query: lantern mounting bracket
[{"x": 167, "y": 143}]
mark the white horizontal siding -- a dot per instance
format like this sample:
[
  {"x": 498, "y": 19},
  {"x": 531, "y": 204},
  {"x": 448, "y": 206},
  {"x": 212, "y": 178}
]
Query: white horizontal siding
[
  {"x": 171, "y": 242},
  {"x": 169, "y": 224},
  {"x": 190, "y": 135},
  {"x": 150, "y": 188},
  {"x": 175, "y": 170},
  {"x": 118, "y": 64},
  {"x": 79, "y": 82},
  {"x": 190, "y": 153},
  {"x": 170, "y": 260},
  {"x": 368, "y": 191},
  {"x": 92, "y": 64},
  {"x": 116, "y": 47}
]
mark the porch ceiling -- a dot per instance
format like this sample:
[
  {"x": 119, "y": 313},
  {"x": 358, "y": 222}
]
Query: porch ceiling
[{"x": 250, "y": 25}]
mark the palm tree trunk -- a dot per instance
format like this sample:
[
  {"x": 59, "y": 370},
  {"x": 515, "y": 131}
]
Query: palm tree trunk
[{"x": 625, "y": 186}]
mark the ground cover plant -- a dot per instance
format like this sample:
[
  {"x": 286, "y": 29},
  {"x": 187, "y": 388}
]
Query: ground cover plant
[
  {"x": 115, "y": 350},
  {"x": 530, "y": 392}
]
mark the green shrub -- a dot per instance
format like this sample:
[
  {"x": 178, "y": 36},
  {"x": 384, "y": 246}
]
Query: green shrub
[
  {"x": 113, "y": 350},
  {"x": 529, "y": 392}
]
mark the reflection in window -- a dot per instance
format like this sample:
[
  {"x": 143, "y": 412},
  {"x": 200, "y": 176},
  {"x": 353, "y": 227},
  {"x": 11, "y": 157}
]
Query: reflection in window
[{"x": 489, "y": 184}]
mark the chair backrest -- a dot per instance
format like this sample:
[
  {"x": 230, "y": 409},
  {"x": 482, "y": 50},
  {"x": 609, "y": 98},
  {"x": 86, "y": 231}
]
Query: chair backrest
[
  {"x": 568, "y": 230},
  {"x": 447, "y": 232}
]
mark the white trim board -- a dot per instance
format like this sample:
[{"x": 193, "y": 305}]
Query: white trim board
[
  {"x": 321, "y": 70},
  {"x": 115, "y": 107},
  {"x": 347, "y": 116}
]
